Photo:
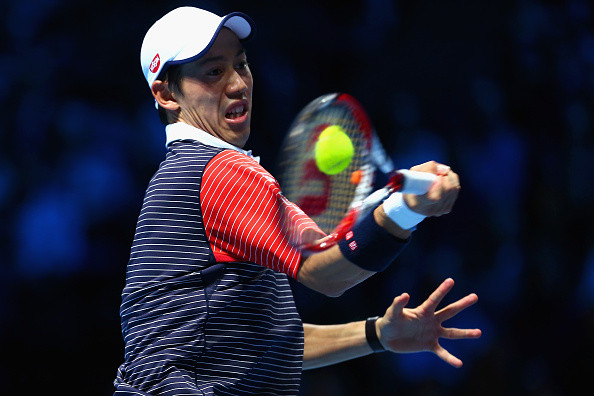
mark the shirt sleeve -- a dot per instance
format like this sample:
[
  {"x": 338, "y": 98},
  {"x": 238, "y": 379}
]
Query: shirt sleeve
[{"x": 247, "y": 218}]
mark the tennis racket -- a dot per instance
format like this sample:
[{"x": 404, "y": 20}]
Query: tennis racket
[{"x": 337, "y": 202}]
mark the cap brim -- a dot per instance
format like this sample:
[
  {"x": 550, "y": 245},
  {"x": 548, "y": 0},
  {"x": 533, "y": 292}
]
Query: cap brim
[{"x": 239, "y": 23}]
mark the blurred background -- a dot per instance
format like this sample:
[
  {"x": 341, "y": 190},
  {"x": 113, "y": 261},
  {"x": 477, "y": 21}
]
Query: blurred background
[{"x": 503, "y": 91}]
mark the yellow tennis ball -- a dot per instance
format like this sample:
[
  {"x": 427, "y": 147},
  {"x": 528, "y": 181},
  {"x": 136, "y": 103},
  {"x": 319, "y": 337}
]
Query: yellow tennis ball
[{"x": 334, "y": 150}]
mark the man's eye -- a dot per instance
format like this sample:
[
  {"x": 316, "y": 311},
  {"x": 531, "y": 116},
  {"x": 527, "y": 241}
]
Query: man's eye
[
  {"x": 215, "y": 72},
  {"x": 242, "y": 65}
]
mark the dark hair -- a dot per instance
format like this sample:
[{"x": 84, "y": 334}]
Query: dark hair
[{"x": 173, "y": 76}]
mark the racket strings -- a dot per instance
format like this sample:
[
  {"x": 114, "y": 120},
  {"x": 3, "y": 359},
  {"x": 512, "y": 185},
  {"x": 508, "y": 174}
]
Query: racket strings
[{"x": 325, "y": 198}]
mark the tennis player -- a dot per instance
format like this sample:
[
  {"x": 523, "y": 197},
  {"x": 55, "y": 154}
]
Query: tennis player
[{"x": 207, "y": 308}]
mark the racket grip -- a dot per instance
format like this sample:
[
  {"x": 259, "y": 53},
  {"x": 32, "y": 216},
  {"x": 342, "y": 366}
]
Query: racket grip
[{"x": 417, "y": 183}]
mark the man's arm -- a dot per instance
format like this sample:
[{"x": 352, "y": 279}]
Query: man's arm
[
  {"x": 330, "y": 273},
  {"x": 400, "y": 330},
  {"x": 331, "y": 344}
]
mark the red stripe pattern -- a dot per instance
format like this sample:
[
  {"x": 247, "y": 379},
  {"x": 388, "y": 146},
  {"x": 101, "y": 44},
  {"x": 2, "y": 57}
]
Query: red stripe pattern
[{"x": 247, "y": 218}]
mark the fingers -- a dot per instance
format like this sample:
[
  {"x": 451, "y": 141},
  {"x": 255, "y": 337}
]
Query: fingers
[
  {"x": 442, "y": 169},
  {"x": 429, "y": 166},
  {"x": 445, "y": 191},
  {"x": 432, "y": 167},
  {"x": 435, "y": 298},
  {"x": 447, "y": 357},
  {"x": 436, "y": 190},
  {"x": 397, "y": 305},
  {"x": 456, "y": 307},
  {"x": 401, "y": 301},
  {"x": 442, "y": 195},
  {"x": 459, "y": 334}
]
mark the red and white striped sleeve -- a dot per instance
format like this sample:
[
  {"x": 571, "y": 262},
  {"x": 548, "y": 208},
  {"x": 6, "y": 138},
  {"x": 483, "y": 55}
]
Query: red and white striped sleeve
[{"x": 246, "y": 216}]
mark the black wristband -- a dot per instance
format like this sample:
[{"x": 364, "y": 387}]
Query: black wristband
[
  {"x": 371, "y": 335},
  {"x": 370, "y": 246}
]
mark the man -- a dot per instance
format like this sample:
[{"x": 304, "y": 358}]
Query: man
[{"x": 207, "y": 307}]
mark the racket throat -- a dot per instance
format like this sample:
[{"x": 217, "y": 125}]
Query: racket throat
[
  {"x": 340, "y": 232},
  {"x": 396, "y": 181}
]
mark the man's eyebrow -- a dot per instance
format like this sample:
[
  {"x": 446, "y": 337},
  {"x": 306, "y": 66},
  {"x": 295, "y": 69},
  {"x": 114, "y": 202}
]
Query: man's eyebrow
[{"x": 220, "y": 57}]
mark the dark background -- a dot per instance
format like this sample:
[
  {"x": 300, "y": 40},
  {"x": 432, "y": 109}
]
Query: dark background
[{"x": 501, "y": 90}]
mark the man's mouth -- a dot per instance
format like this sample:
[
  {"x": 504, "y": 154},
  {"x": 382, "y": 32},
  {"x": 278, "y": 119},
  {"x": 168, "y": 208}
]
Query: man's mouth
[{"x": 237, "y": 111}]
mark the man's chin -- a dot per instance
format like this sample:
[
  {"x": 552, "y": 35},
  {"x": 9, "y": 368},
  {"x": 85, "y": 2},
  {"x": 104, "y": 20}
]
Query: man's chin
[
  {"x": 238, "y": 134},
  {"x": 236, "y": 138},
  {"x": 242, "y": 142}
]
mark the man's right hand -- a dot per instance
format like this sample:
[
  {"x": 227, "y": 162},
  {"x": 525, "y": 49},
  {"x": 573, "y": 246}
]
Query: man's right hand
[{"x": 440, "y": 199}]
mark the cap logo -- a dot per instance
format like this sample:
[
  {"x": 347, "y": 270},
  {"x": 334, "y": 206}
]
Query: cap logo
[{"x": 155, "y": 64}]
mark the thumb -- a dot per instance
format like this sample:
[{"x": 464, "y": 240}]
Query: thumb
[{"x": 398, "y": 305}]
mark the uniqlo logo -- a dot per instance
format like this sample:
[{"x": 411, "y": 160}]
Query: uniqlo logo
[
  {"x": 353, "y": 246},
  {"x": 349, "y": 235},
  {"x": 155, "y": 64}
]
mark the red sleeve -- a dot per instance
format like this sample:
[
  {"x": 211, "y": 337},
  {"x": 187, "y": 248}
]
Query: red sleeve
[{"x": 246, "y": 216}]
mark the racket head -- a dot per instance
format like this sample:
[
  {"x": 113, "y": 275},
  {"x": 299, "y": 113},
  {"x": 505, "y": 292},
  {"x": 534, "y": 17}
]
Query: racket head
[{"x": 327, "y": 198}]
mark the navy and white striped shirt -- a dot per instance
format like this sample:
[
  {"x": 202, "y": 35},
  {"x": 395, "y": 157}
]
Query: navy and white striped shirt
[{"x": 207, "y": 308}]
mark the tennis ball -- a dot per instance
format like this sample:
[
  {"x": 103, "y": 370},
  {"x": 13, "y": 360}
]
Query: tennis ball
[{"x": 334, "y": 150}]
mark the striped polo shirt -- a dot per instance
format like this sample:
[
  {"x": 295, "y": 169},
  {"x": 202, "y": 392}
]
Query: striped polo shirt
[{"x": 207, "y": 308}]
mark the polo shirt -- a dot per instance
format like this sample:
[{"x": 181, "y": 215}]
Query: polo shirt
[{"x": 207, "y": 308}]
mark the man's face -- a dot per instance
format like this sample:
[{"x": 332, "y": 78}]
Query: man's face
[{"x": 217, "y": 91}]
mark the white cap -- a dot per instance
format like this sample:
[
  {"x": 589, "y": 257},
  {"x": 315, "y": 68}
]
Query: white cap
[{"x": 184, "y": 35}]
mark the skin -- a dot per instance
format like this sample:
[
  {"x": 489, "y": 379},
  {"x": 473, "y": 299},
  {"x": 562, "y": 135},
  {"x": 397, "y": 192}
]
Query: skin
[
  {"x": 220, "y": 81},
  {"x": 210, "y": 87},
  {"x": 405, "y": 330},
  {"x": 400, "y": 330},
  {"x": 330, "y": 273}
]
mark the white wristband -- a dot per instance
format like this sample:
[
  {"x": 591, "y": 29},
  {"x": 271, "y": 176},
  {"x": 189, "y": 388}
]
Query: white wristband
[{"x": 399, "y": 213}]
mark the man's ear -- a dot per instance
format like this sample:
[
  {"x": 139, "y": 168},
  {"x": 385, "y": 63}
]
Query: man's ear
[{"x": 163, "y": 95}]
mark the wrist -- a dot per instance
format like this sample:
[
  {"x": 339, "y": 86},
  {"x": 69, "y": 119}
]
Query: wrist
[
  {"x": 371, "y": 334},
  {"x": 382, "y": 219},
  {"x": 371, "y": 246}
]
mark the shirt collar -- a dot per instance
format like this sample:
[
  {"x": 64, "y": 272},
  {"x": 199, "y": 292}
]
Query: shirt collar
[{"x": 183, "y": 131}]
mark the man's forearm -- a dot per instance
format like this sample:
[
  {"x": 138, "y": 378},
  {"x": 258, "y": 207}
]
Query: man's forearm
[
  {"x": 330, "y": 273},
  {"x": 331, "y": 344}
]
